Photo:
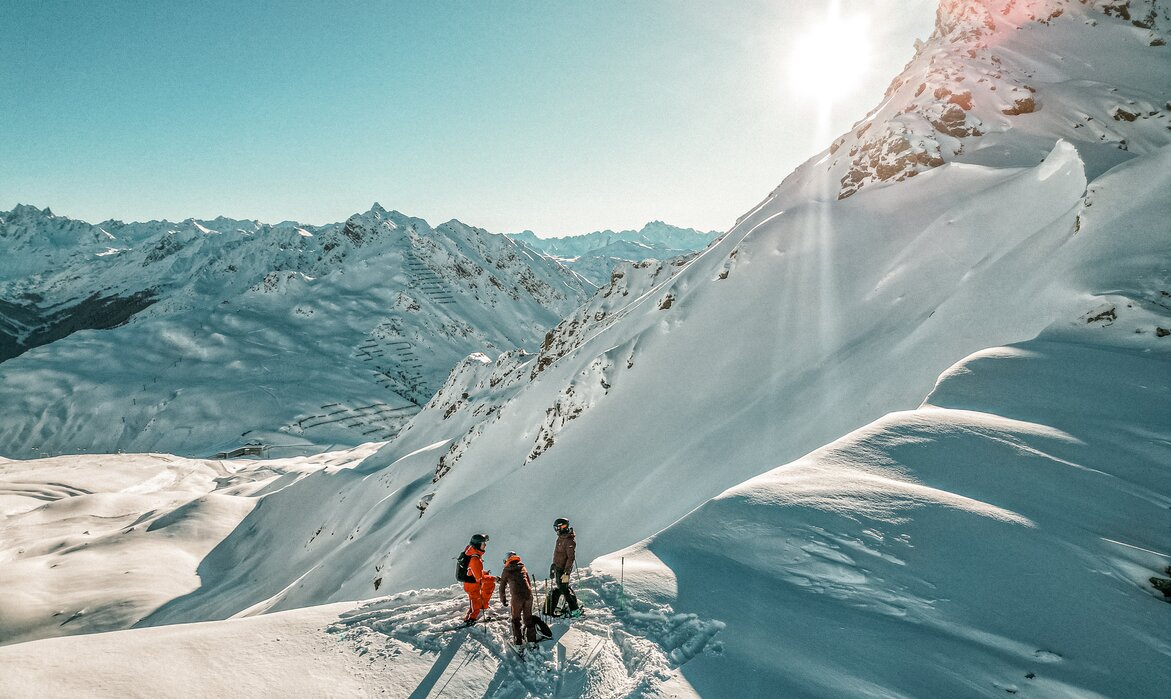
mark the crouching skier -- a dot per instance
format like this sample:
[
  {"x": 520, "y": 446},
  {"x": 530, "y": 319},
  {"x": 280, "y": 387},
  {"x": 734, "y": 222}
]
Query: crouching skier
[
  {"x": 478, "y": 583},
  {"x": 515, "y": 581}
]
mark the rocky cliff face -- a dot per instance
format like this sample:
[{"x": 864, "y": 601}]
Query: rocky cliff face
[{"x": 971, "y": 80}]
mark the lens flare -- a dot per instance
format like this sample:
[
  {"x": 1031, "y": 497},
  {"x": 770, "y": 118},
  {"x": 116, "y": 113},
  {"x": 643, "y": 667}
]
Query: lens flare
[{"x": 830, "y": 58}]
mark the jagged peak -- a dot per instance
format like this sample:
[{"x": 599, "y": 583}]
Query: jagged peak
[
  {"x": 970, "y": 79},
  {"x": 28, "y": 210},
  {"x": 972, "y": 18}
]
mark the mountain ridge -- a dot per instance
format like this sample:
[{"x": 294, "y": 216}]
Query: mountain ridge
[
  {"x": 452, "y": 289},
  {"x": 908, "y": 441},
  {"x": 595, "y": 255}
]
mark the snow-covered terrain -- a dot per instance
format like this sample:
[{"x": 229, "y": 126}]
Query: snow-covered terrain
[
  {"x": 891, "y": 435},
  {"x": 228, "y": 332},
  {"x": 595, "y": 255},
  {"x": 93, "y": 543}
]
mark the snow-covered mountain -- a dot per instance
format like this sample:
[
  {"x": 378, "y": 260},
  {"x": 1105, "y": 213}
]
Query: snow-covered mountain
[
  {"x": 903, "y": 431},
  {"x": 595, "y": 255},
  {"x": 217, "y": 333}
]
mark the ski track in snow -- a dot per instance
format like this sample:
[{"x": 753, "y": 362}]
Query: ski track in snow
[{"x": 620, "y": 647}]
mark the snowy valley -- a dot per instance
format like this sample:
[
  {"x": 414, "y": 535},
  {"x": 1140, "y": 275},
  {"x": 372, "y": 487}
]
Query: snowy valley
[{"x": 903, "y": 430}]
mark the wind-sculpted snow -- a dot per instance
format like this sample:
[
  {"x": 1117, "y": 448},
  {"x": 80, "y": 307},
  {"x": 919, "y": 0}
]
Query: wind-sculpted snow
[
  {"x": 998, "y": 540},
  {"x": 623, "y": 647}
]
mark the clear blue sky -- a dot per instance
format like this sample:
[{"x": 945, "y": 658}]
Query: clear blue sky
[{"x": 561, "y": 117}]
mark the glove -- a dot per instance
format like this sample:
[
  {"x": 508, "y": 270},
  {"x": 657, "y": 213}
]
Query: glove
[
  {"x": 565, "y": 578},
  {"x": 552, "y": 571}
]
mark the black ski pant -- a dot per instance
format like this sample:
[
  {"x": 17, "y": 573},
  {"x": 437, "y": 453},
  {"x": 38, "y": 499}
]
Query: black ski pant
[{"x": 563, "y": 589}]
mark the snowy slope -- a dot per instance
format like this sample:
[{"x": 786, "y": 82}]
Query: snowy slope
[
  {"x": 400, "y": 646},
  {"x": 808, "y": 320},
  {"x": 994, "y": 540},
  {"x": 998, "y": 539},
  {"x": 595, "y": 255},
  {"x": 225, "y": 331},
  {"x": 93, "y": 543},
  {"x": 912, "y": 557}
]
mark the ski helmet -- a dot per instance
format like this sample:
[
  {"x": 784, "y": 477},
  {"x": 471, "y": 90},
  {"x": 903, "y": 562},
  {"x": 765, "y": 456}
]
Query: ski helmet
[
  {"x": 479, "y": 540},
  {"x": 509, "y": 556},
  {"x": 560, "y": 524}
]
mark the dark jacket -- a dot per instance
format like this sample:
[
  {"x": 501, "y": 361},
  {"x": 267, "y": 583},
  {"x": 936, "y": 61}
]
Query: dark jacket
[
  {"x": 515, "y": 581},
  {"x": 563, "y": 552}
]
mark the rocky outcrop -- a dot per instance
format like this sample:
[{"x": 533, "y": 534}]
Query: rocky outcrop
[{"x": 962, "y": 83}]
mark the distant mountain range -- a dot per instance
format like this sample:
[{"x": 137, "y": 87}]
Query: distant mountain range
[
  {"x": 221, "y": 332},
  {"x": 904, "y": 430},
  {"x": 595, "y": 255}
]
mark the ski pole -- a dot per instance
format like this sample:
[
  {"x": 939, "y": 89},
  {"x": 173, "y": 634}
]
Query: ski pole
[{"x": 621, "y": 582}]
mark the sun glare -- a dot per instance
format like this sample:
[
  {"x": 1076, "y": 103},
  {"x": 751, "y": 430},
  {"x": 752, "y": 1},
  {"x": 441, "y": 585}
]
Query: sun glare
[{"x": 829, "y": 58}]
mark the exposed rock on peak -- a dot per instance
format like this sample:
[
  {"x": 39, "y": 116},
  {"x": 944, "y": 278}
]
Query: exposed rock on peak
[{"x": 969, "y": 76}]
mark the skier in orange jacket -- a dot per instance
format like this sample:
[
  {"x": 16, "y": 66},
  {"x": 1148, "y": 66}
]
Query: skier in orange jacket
[{"x": 478, "y": 583}]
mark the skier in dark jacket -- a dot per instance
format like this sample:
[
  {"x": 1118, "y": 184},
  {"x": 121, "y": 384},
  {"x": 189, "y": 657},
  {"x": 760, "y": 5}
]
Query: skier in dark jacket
[
  {"x": 478, "y": 583},
  {"x": 515, "y": 580},
  {"x": 563, "y": 558}
]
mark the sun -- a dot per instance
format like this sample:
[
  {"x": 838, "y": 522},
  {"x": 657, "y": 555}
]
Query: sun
[{"x": 828, "y": 60}]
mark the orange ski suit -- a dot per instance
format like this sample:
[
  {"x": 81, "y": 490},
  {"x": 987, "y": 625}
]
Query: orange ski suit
[{"x": 479, "y": 592}]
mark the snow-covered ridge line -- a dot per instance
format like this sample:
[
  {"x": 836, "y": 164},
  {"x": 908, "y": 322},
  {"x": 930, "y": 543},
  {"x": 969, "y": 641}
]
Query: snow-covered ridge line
[
  {"x": 967, "y": 84},
  {"x": 595, "y": 255}
]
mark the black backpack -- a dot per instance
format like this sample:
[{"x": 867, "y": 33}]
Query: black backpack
[
  {"x": 461, "y": 568},
  {"x": 555, "y": 610}
]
